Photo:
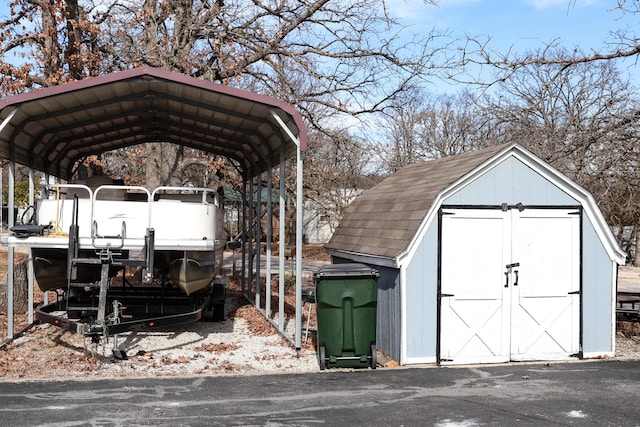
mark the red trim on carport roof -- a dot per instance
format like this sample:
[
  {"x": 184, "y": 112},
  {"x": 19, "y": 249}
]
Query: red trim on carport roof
[{"x": 166, "y": 75}]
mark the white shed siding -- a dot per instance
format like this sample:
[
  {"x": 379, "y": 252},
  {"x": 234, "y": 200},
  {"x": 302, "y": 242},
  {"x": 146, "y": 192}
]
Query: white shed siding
[
  {"x": 510, "y": 182},
  {"x": 421, "y": 302},
  {"x": 598, "y": 295}
]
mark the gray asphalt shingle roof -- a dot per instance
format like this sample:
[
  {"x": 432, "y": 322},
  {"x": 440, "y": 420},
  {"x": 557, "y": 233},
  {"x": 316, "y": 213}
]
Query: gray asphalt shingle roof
[{"x": 383, "y": 220}]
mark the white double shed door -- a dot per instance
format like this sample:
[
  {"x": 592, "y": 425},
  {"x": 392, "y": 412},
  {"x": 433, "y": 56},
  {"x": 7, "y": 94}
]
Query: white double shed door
[{"x": 510, "y": 285}]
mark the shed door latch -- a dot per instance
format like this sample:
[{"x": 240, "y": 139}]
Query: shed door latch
[{"x": 510, "y": 269}]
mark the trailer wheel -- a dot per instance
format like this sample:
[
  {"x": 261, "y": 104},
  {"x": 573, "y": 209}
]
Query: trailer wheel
[
  {"x": 74, "y": 314},
  {"x": 218, "y": 312}
]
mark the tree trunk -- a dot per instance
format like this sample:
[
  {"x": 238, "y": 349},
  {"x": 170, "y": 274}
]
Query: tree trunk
[
  {"x": 163, "y": 164},
  {"x": 20, "y": 289}
]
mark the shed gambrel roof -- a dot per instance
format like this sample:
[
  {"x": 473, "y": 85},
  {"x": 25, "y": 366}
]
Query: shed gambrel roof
[{"x": 384, "y": 220}]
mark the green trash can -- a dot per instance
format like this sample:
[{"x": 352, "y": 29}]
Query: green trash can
[{"x": 346, "y": 300}]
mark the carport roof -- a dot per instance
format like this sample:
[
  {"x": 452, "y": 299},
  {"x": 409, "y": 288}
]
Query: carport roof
[{"x": 50, "y": 129}]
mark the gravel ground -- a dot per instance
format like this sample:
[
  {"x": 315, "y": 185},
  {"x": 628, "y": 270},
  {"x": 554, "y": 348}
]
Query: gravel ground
[
  {"x": 627, "y": 347},
  {"x": 245, "y": 343}
]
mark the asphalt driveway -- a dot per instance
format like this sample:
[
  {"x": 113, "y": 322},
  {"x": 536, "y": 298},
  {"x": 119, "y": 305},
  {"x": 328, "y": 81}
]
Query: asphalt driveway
[{"x": 578, "y": 393}]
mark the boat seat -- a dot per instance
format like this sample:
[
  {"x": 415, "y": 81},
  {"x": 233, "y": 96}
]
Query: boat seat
[{"x": 25, "y": 230}]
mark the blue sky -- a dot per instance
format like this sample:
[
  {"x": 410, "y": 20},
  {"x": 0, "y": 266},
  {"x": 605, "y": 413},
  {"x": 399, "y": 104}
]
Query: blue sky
[{"x": 520, "y": 24}]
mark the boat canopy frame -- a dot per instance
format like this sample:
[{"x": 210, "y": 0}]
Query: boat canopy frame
[{"x": 51, "y": 129}]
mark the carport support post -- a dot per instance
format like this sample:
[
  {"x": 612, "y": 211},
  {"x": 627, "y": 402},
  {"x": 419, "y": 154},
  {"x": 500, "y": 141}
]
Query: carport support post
[
  {"x": 10, "y": 223},
  {"x": 252, "y": 206},
  {"x": 281, "y": 266},
  {"x": 30, "y": 263},
  {"x": 1, "y": 173},
  {"x": 10, "y": 252},
  {"x": 296, "y": 141},
  {"x": 42, "y": 193},
  {"x": 243, "y": 284},
  {"x": 258, "y": 188},
  {"x": 269, "y": 216},
  {"x": 298, "y": 246}
]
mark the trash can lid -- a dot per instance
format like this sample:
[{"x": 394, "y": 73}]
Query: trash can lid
[{"x": 346, "y": 270}]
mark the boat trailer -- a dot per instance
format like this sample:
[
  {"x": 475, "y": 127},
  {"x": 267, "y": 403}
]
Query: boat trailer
[{"x": 99, "y": 309}]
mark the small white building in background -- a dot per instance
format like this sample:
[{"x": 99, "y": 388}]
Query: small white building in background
[
  {"x": 318, "y": 229},
  {"x": 320, "y": 221}
]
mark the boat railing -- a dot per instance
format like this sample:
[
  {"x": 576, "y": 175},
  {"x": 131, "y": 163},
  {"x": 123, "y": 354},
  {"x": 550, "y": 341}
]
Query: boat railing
[
  {"x": 58, "y": 189},
  {"x": 185, "y": 194},
  {"x": 116, "y": 214},
  {"x": 107, "y": 205},
  {"x": 120, "y": 192},
  {"x": 54, "y": 210},
  {"x": 177, "y": 214},
  {"x": 190, "y": 213}
]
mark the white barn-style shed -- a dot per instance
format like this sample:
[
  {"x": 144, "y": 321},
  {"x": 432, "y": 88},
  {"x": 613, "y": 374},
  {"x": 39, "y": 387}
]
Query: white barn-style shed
[{"x": 485, "y": 257}]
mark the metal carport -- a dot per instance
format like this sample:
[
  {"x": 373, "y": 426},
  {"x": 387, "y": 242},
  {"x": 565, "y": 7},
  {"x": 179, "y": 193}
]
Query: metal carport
[{"x": 50, "y": 129}]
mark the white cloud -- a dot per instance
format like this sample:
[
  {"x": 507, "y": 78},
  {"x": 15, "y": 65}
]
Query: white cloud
[{"x": 563, "y": 4}]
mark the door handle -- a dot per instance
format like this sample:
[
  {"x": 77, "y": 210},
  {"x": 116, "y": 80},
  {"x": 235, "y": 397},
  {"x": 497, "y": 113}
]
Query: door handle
[
  {"x": 516, "y": 282},
  {"x": 506, "y": 276}
]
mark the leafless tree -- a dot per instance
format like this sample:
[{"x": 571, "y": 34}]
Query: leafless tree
[
  {"x": 421, "y": 126},
  {"x": 348, "y": 55},
  {"x": 339, "y": 170},
  {"x": 576, "y": 118},
  {"x": 399, "y": 127}
]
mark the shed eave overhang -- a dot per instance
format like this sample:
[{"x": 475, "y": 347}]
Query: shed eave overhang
[{"x": 391, "y": 262}]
